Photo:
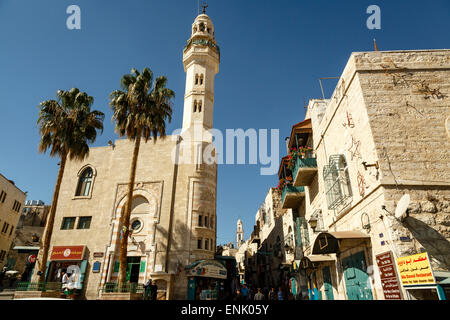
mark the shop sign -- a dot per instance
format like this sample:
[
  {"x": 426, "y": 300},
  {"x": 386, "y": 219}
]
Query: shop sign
[
  {"x": 67, "y": 253},
  {"x": 388, "y": 275},
  {"x": 208, "y": 269},
  {"x": 98, "y": 254},
  {"x": 31, "y": 258},
  {"x": 96, "y": 267},
  {"x": 416, "y": 270}
]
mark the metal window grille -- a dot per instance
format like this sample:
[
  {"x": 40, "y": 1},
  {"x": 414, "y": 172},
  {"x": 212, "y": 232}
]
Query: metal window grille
[
  {"x": 337, "y": 182},
  {"x": 302, "y": 234}
]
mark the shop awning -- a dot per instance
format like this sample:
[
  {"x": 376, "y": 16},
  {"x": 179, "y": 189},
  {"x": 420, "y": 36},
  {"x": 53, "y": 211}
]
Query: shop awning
[
  {"x": 67, "y": 253},
  {"x": 313, "y": 260},
  {"x": 330, "y": 242},
  {"x": 442, "y": 277},
  {"x": 302, "y": 129},
  {"x": 26, "y": 248},
  {"x": 207, "y": 268}
]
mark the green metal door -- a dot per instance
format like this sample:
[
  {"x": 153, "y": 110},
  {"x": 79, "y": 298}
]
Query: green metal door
[
  {"x": 327, "y": 283},
  {"x": 356, "y": 278},
  {"x": 191, "y": 288},
  {"x": 133, "y": 268}
]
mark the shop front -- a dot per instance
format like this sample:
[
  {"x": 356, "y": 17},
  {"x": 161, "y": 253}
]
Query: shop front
[
  {"x": 206, "y": 280},
  {"x": 420, "y": 280},
  {"x": 311, "y": 266},
  {"x": 352, "y": 260},
  {"x": 69, "y": 260}
]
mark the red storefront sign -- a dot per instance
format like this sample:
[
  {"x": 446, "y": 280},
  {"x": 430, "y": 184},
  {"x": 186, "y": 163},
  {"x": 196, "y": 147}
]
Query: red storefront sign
[
  {"x": 388, "y": 275},
  {"x": 67, "y": 253}
]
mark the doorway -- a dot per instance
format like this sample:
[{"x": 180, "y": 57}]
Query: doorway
[
  {"x": 328, "y": 287},
  {"x": 133, "y": 268},
  {"x": 357, "y": 280}
]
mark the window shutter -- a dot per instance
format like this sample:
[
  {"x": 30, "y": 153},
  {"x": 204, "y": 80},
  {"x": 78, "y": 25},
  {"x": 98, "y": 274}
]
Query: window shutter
[
  {"x": 83, "y": 266},
  {"x": 142, "y": 270}
]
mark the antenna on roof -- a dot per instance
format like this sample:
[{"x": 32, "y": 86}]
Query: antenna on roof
[
  {"x": 375, "y": 45},
  {"x": 321, "y": 87}
]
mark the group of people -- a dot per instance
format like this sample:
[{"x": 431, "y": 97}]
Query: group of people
[
  {"x": 246, "y": 293},
  {"x": 150, "y": 290},
  {"x": 9, "y": 279},
  {"x": 68, "y": 284}
]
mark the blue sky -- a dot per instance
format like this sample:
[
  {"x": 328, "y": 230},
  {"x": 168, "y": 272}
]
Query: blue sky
[{"x": 272, "y": 54}]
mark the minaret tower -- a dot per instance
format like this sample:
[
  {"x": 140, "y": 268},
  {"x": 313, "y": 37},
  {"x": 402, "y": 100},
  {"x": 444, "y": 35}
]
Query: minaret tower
[
  {"x": 201, "y": 58},
  {"x": 239, "y": 234}
]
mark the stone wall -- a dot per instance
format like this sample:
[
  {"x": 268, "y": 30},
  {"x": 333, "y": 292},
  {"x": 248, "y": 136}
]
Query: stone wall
[{"x": 428, "y": 224}]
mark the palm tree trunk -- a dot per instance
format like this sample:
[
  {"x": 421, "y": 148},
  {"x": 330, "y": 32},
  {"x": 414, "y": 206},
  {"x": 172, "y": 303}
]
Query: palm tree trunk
[
  {"x": 125, "y": 220},
  {"x": 51, "y": 218}
]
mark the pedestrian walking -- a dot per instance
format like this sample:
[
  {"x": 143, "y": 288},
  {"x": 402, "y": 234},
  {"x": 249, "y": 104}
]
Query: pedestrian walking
[
  {"x": 280, "y": 294},
  {"x": 273, "y": 294},
  {"x": 153, "y": 291},
  {"x": 244, "y": 291},
  {"x": 259, "y": 295},
  {"x": 147, "y": 289},
  {"x": 2, "y": 276},
  {"x": 64, "y": 282},
  {"x": 239, "y": 296}
]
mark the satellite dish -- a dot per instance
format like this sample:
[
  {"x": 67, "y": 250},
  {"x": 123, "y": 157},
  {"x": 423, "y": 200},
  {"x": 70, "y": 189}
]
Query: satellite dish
[{"x": 402, "y": 206}]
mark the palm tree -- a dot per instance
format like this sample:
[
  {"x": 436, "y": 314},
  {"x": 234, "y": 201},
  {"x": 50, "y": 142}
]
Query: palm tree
[
  {"x": 66, "y": 126},
  {"x": 140, "y": 111}
]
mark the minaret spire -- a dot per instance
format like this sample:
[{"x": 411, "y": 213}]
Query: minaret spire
[{"x": 204, "y": 6}]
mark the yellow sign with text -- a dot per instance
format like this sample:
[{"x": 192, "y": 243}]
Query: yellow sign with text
[{"x": 415, "y": 270}]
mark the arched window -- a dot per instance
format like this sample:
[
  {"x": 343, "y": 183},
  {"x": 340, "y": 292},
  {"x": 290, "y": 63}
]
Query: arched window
[
  {"x": 199, "y": 106},
  {"x": 201, "y": 79},
  {"x": 206, "y": 222},
  {"x": 85, "y": 183},
  {"x": 195, "y": 105},
  {"x": 196, "y": 79}
]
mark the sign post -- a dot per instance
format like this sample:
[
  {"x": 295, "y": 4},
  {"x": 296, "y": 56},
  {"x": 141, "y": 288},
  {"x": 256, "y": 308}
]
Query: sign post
[{"x": 388, "y": 275}]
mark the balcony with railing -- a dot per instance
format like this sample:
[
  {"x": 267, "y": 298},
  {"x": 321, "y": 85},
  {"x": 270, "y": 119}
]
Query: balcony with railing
[
  {"x": 304, "y": 169},
  {"x": 291, "y": 197},
  {"x": 302, "y": 160}
]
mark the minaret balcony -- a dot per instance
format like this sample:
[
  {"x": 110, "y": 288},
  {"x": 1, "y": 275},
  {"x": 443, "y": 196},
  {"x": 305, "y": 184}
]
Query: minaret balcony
[
  {"x": 202, "y": 42},
  {"x": 305, "y": 168},
  {"x": 291, "y": 196}
]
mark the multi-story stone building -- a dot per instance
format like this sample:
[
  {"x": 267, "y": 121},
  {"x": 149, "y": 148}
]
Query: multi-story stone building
[
  {"x": 27, "y": 238},
  {"x": 173, "y": 218},
  {"x": 382, "y": 139},
  {"x": 11, "y": 203}
]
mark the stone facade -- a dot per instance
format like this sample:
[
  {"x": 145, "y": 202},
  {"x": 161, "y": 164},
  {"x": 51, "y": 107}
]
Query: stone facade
[
  {"x": 174, "y": 204},
  {"x": 382, "y": 134},
  {"x": 12, "y": 200},
  {"x": 27, "y": 237},
  {"x": 386, "y": 117}
]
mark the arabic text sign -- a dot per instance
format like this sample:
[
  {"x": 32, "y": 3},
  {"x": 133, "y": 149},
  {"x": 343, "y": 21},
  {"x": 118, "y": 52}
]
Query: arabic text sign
[
  {"x": 67, "y": 253},
  {"x": 388, "y": 275},
  {"x": 415, "y": 270}
]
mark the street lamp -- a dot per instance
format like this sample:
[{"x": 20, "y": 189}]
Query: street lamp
[{"x": 313, "y": 223}]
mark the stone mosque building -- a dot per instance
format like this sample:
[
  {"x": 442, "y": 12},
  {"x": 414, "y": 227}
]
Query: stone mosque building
[{"x": 173, "y": 219}]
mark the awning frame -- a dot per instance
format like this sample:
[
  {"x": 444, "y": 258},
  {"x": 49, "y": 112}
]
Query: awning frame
[{"x": 330, "y": 242}]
